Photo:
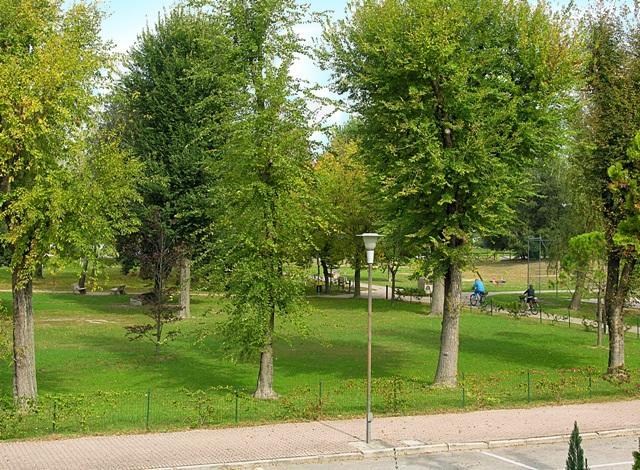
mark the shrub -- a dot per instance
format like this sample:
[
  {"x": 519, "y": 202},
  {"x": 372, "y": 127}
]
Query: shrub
[{"x": 575, "y": 459}]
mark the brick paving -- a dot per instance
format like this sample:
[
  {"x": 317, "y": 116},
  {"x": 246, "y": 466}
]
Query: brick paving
[{"x": 217, "y": 446}]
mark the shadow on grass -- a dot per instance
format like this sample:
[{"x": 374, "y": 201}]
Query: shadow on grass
[
  {"x": 515, "y": 349},
  {"x": 110, "y": 358}
]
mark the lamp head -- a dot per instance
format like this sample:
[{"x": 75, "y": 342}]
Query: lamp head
[{"x": 370, "y": 240}]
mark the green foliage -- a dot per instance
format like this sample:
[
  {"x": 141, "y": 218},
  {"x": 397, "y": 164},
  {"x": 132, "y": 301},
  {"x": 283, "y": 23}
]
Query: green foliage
[
  {"x": 262, "y": 229},
  {"x": 610, "y": 122},
  {"x": 609, "y": 158},
  {"x": 584, "y": 250},
  {"x": 609, "y": 153},
  {"x": 169, "y": 106},
  {"x": 451, "y": 121},
  {"x": 636, "y": 460},
  {"x": 587, "y": 255},
  {"x": 558, "y": 210},
  {"x": 575, "y": 459},
  {"x": 254, "y": 294},
  {"x": 101, "y": 186},
  {"x": 5, "y": 333},
  {"x": 624, "y": 187},
  {"x": 345, "y": 199},
  {"x": 50, "y": 63}
]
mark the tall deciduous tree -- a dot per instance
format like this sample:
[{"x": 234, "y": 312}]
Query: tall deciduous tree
[
  {"x": 263, "y": 231},
  {"x": 169, "y": 102},
  {"x": 394, "y": 252},
  {"x": 50, "y": 66},
  {"x": 457, "y": 102},
  {"x": 346, "y": 200},
  {"x": 586, "y": 259},
  {"x": 611, "y": 121}
]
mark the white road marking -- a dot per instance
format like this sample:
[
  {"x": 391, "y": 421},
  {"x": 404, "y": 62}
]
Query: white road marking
[
  {"x": 513, "y": 462},
  {"x": 611, "y": 464}
]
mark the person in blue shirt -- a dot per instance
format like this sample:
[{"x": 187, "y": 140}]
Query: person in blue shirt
[{"x": 478, "y": 288}]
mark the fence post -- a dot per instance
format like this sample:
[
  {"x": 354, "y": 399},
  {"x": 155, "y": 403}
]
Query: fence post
[
  {"x": 146, "y": 424},
  {"x": 590, "y": 395},
  {"x": 386, "y": 292},
  {"x": 569, "y": 312},
  {"x": 638, "y": 327},
  {"x": 55, "y": 415},
  {"x": 540, "y": 312},
  {"x": 491, "y": 303},
  {"x": 236, "y": 399},
  {"x": 528, "y": 386}
]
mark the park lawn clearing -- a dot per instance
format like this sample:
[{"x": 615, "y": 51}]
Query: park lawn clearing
[
  {"x": 92, "y": 379},
  {"x": 62, "y": 279}
]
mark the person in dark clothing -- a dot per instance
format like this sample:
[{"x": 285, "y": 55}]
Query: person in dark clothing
[{"x": 530, "y": 295}]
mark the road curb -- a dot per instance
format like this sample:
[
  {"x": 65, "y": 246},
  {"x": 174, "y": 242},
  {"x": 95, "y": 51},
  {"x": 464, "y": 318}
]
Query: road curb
[
  {"x": 255, "y": 464},
  {"x": 372, "y": 454}
]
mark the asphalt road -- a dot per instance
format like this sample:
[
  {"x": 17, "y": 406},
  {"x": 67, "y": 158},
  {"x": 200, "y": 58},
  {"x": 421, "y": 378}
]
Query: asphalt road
[{"x": 602, "y": 454}]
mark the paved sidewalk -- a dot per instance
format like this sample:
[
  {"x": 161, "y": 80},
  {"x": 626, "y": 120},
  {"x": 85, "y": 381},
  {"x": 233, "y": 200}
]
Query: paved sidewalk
[{"x": 327, "y": 439}]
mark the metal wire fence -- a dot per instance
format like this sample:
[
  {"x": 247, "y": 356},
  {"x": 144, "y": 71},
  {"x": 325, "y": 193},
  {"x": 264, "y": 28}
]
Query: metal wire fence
[{"x": 160, "y": 410}]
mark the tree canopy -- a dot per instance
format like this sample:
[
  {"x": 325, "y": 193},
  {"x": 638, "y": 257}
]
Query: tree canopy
[
  {"x": 52, "y": 61},
  {"x": 457, "y": 104}
]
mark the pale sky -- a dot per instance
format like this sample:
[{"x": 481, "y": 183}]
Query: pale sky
[{"x": 127, "y": 18}]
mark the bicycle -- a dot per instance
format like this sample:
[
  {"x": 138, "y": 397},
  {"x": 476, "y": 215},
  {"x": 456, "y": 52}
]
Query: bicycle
[
  {"x": 529, "y": 306},
  {"x": 477, "y": 299}
]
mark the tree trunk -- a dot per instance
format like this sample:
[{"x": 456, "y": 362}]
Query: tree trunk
[
  {"x": 447, "y": 372},
  {"x": 357, "y": 264},
  {"x": 264, "y": 388},
  {"x": 82, "y": 281},
  {"x": 25, "y": 388},
  {"x": 327, "y": 280},
  {"x": 616, "y": 340},
  {"x": 599, "y": 318},
  {"x": 158, "y": 319},
  {"x": 185, "y": 288},
  {"x": 577, "y": 294},
  {"x": 437, "y": 296},
  {"x": 393, "y": 282},
  {"x": 615, "y": 295}
]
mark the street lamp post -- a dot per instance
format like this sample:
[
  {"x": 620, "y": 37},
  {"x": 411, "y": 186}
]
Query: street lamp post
[{"x": 370, "y": 240}]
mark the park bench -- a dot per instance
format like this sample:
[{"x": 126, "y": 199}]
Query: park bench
[
  {"x": 118, "y": 290},
  {"x": 79, "y": 290}
]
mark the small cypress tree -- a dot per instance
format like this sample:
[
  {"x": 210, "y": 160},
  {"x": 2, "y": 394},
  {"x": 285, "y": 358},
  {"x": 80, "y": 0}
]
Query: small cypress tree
[
  {"x": 636, "y": 458},
  {"x": 576, "y": 460}
]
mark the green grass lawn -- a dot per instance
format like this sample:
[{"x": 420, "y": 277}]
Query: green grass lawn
[
  {"x": 84, "y": 357},
  {"x": 62, "y": 279},
  {"x": 512, "y": 272}
]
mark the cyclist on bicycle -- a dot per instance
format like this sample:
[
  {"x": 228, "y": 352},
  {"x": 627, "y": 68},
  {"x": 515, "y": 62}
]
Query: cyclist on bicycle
[
  {"x": 478, "y": 288},
  {"x": 530, "y": 295}
]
